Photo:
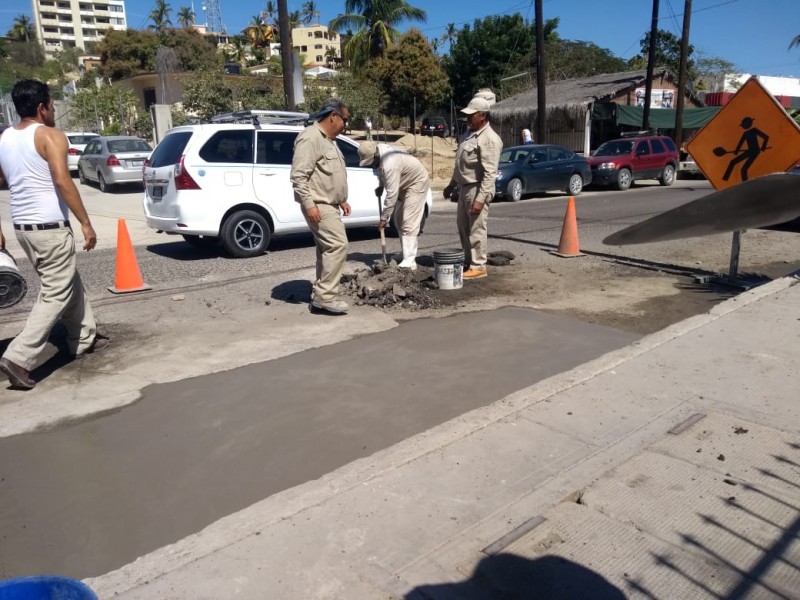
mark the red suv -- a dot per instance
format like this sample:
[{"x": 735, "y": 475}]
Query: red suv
[{"x": 621, "y": 162}]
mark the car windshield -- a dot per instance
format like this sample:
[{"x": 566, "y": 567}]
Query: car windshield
[
  {"x": 128, "y": 146},
  {"x": 615, "y": 148},
  {"x": 81, "y": 139},
  {"x": 510, "y": 155}
]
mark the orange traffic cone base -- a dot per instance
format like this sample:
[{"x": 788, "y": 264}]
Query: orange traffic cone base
[
  {"x": 562, "y": 255},
  {"x": 142, "y": 288}
]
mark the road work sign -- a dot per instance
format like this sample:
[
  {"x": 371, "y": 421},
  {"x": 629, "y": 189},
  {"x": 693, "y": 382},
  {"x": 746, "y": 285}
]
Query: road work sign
[{"x": 751, "y": 136}]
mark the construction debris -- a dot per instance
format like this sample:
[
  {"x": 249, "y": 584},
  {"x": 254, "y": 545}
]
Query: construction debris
[{"x": 386, "y": 286}]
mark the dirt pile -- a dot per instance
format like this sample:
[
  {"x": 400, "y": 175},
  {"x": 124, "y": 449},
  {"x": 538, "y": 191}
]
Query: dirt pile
[{"x": 387, "y": 286}]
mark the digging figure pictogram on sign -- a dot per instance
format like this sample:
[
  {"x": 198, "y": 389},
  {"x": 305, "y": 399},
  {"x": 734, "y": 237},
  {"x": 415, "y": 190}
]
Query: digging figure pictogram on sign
[{"x": 756, "y": 141}]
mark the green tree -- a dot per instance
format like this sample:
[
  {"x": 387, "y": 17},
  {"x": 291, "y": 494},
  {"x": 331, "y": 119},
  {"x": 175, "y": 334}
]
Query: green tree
[
  {"x": 309, "y": 12},
  {"x": 375, "y": 25},
  {"x": 251, "y": 93},
  {"x": 364, "y": 96},
  {"x": 205, "y": 94},
  {"x": 295, "y": 19},
  {"x": 269, "y": 13},
  {"x": 410, "y": 70},
  {"x": 22, "y": 30},
  {"x": 711, "y": 71},
  {"x": 160, "y": 17},
  {"x": 126, "y": 53},
  {"x": 194, "y": 50},
  {"x": 101, "y": 108},
  {"x": 450, "y": 34},
  {"x": 568, "y": 59},
  {"x": 185, "y": 17},
  {"x": 795, "y": 43},
  {"x": 668, "y": 54},
  {"x": 484, "y": 53}
]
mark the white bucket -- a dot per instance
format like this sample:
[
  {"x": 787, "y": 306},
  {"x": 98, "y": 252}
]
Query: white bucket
[
  {"x": 12, "y": 285},
  {"x": 449, "y": 277}
]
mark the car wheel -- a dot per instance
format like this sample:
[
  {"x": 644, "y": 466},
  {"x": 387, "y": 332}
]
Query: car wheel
[
  {"x": 81, "y": 176},
  {"x": 667, "y": 175},
  {"x": 101, "y": 181},
  {"x": 205, "y": 241},
  {"x": 246, "y": 234},
  {"x": 514, "y": 190},
  {"x": 575, "y": 186},
  {"x": 624, "y": 179}
]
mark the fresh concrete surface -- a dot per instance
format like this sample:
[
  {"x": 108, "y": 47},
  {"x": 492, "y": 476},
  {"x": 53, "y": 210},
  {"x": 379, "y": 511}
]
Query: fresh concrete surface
[{"x": 629, "y": 508}]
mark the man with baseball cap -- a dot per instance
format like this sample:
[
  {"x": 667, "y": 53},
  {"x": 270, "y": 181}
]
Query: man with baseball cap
[
  {"x": 475, "y": 172},
  {"x": 406, "y": 182},
  {"x": 319, "y": 179}
]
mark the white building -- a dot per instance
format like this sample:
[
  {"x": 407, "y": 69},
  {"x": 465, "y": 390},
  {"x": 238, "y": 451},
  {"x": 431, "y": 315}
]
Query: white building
[
  {"x": 777, "y": 86},
  {"x": 62, "y": 24}
]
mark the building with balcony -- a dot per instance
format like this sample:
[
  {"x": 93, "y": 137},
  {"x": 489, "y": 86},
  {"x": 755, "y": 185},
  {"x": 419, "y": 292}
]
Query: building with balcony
[
  {"x": 62, "y": 24},
  {"x": 314, "y": 42}
]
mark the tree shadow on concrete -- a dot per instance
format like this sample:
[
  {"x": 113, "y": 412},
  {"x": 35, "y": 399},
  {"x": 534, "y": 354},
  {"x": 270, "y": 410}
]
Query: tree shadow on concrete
[{"x": 512, "y": 577}]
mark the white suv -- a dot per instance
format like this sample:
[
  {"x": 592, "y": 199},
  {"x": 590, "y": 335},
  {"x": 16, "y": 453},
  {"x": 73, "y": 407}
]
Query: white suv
[{"x": 230, "y": 183}]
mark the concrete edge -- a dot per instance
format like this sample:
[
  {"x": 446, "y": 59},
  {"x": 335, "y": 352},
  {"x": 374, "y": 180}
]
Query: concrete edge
[{"x": 285, "y": 505}]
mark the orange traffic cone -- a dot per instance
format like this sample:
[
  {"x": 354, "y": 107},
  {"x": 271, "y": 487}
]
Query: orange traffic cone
[
  {"x": 128, "y": 278},
  {"x": 568, "y": 244}
]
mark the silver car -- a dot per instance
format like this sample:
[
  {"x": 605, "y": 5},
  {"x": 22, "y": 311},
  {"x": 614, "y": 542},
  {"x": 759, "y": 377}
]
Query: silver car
[
  {"x": 77, "y": 143},
  {"x": 112, "y": 160}
]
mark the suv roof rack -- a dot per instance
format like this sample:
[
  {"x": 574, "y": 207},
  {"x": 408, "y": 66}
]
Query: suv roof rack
[
  {"x": 638, "y": 133},
  {"x": 257, "y": 117}
]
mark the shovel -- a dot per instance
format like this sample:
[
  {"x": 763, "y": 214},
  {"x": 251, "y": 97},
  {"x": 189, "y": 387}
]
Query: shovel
[{"x": 378, "y": 193}]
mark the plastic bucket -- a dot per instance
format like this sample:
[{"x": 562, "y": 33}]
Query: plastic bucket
[
  {"x": 12, "y": 285},
  {"x": 45, "y": 587},
  {"x": 449, "y": 268}
]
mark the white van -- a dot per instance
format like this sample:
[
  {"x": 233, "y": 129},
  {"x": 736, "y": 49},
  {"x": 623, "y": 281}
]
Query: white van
[{"x": 229, "y": 183}]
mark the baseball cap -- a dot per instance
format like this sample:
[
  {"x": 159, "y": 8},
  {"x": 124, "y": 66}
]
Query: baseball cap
[
  {"x": 476, "y": 105},
  {"x": 366, "y": 152}
]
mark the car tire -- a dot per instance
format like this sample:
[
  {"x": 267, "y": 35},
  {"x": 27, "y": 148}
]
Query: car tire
[
  {"x": 245, "y": 234},
  {"x": 624, "y": 179},
  {"x": 101, "y": 182},
  {"x": 514, "y": 190},
  {"x": 667, "y": 176},
  {"x": 205, "y": 241},
  {"x": 81, "y": 176},
  {"x": 575, "y": 185}
]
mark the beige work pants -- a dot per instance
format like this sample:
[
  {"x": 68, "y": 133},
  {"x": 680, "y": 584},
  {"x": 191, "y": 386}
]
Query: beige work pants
[
  {"x": 331, "y": 240},
  {"x": 61, "y": 296},
  {"x": 409, "y": 211},
  {"x": 472, "y": 229}
]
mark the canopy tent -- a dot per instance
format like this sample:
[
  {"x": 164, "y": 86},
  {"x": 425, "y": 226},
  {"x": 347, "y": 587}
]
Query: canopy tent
[
  {"x": 319, "y": 71},
  {"x": 660, "y": 118}
]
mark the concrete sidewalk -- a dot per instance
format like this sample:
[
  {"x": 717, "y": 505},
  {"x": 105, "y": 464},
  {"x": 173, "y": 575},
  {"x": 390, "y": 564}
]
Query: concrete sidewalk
[{"x": 667, "y": 469}]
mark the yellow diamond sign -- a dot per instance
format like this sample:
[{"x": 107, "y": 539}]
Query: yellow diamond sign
[{"x": 751, "y": 136}]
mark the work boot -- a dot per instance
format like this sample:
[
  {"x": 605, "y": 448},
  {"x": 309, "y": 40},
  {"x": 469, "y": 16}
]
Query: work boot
[
  {"x": 475, "y": 273},
  {"x": 100, "y": 342},
  {"x": 410, "y": 246},
  {"x": 336, "y": 307},
  {"x": 18, "y": 376}
]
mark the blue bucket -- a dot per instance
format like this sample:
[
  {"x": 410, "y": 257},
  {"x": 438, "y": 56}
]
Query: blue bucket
[{"x": 45, "y": 587}]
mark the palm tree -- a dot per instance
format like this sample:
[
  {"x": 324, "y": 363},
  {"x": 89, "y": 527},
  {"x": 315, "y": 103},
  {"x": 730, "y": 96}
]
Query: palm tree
[
  {"x": 269, "y": 12},
  {"x": 258, "y": 33},
  {"x": 450, "y": 34},
  {"x": 22, "y": 29},
  {"x": 186, "y": 17},
  {"x": 374, "y": 22},
  {"x": 310, "y": 12},
  {"x": 795, "y": 43},
  {"x": 160, "y": 17},
  {"x": 294, "y": 19}
]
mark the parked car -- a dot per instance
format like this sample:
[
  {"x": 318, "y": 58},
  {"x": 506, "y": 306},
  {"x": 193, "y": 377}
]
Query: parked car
[
  {"x": 622, "y": 162},
  {"x": 540, "y": 168},
  {"x": 434, "y": 126},
  {"x": 77, "y": 143},
  {"x": 230, "y": 183},
  {"x": 113, "y": 160}
]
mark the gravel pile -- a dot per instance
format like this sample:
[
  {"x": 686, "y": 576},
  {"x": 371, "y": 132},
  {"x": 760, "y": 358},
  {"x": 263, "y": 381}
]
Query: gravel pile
[{"x": 386, "y": 286}]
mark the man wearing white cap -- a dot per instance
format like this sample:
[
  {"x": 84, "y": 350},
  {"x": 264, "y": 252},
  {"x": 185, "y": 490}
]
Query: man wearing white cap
[
  {"x": 475, "y": 172},
  {"x": 406, "y": 182}
]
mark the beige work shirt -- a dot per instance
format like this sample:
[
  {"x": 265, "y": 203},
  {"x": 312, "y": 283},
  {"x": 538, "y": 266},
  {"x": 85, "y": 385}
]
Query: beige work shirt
[
  {"x": 318, "y": 174},
  {"x": 477, "y": 158},
  {"x": 400, "y": 174}
]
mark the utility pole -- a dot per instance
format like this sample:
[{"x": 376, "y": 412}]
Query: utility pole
[
  {"x": 651, "y": 60},
  {"x": 687, "y": 15},
  {"x": 541, "y": 84},
  {"x": 286, "y": 54}
]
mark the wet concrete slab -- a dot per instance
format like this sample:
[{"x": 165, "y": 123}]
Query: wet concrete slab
[{"x": 87, "y": 498}]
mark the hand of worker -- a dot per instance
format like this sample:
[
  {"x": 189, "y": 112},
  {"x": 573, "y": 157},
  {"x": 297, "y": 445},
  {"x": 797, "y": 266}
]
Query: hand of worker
[
  {"x": 89, "y": 237},
  {"x": 379, "y": 191},
  {"x": 448, "y": 191},
  {"x": 345, "y": 209},
  {"x": 476, "y": 208},
  {"x": 313, "y": 214},
  {"x": 382, "y": 225}
]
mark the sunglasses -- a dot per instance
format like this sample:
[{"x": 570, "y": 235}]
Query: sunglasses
[{"x": 341, "y": 116}]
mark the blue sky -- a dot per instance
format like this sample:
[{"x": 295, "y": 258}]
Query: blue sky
[{"x": 752, "y": 34}]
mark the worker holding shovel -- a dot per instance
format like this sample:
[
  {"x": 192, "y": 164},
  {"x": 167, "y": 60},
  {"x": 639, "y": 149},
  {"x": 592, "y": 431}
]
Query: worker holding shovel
[{"x": 406, "y": 182}]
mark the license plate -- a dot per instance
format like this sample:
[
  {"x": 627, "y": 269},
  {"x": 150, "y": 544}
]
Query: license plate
[
  {"x": 137, "y": 163},
  {"x": 157, "y": 193}
]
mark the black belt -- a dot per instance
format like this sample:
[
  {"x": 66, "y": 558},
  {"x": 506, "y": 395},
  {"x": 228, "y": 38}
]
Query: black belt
[{"x": 41, "y": 226}]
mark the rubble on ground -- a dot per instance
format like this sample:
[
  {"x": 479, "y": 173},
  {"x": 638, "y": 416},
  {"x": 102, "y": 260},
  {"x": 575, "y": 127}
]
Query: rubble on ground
[{"x": 387, "y": 286}]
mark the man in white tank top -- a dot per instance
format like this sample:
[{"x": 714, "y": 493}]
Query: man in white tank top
[{"x": 33, "y": 159}]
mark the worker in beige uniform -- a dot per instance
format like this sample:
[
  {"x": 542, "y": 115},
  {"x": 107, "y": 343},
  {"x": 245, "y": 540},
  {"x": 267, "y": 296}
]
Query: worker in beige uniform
[
  {"x": 33, "y": 159},
  {"x": 475, "y": 172},
  {"x": 406, "y": 183},
  {"x": 319, "y": 179}
]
